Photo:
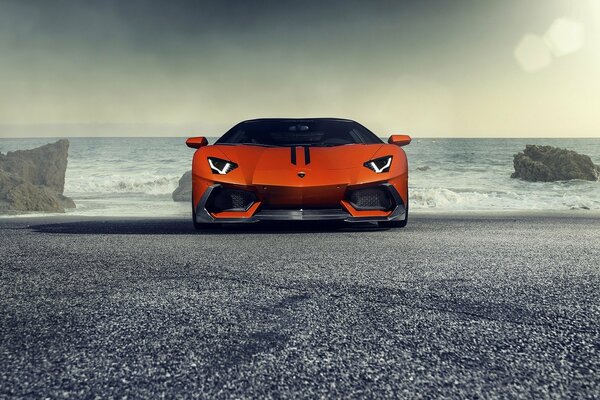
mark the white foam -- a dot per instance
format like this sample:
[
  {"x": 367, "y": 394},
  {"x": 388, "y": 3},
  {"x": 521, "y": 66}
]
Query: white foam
[
  {"x": 120, "y": 184},
  {"x": 580, "y": 202},
  {"x": 446, "y": 199}
]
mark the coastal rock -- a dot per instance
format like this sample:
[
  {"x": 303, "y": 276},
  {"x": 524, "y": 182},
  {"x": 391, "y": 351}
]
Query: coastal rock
[
  {"x": 184, "y": 190},
  {"x": 548, "y": 163},
  {"x": 34, "y": 180},
  {"x": 42, "y": 166}
]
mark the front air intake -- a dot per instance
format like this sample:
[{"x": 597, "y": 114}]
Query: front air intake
[
  {"x": 229, "y": 199},
  {"x": 373, "y": 198}
]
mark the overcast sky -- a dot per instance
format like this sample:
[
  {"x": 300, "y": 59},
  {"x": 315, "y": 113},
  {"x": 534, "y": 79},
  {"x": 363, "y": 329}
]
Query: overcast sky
[{"x": 456, "y": 68}]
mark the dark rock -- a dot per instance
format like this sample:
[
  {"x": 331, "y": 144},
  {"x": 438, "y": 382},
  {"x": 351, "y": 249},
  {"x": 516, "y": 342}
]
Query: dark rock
[
  {"x": 34, "y": 180},
  {"x": 184, "y": 190},
  {"x": 547, "y": 164}
]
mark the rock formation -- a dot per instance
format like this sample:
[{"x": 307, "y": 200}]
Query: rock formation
[
  {"x": 34, "y": 180},
  {"x": 184, "y": 190},
  {"x": 547, "y": 164}
]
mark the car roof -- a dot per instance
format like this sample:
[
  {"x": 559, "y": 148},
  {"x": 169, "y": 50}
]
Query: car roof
[{"x": 297, "y": 120}]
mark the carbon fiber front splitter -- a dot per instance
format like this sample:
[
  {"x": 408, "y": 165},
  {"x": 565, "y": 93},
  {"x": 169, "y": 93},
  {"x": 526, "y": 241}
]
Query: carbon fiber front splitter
[{"x": 205, "y": 217}]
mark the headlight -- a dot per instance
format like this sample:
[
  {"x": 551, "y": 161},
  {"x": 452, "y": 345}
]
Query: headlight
[
  {"x": 221, "y": 167},
  {"x": 379, "y": 165}
]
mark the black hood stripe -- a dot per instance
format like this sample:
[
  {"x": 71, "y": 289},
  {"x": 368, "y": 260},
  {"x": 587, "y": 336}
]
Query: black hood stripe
[{"x": 306, "y": 155}]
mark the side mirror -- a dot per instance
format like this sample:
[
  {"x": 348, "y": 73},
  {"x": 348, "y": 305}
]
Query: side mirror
[
  {"x": 196, "y": 142},
  {"x": 399, "y": 140}
]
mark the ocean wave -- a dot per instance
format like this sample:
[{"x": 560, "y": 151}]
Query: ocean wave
[
  {"x": 447, "y": 199},
  {"x": 150, "y": 185},
  {"x": 580, "y": 202},
  {"x": 436, "y": 198}
]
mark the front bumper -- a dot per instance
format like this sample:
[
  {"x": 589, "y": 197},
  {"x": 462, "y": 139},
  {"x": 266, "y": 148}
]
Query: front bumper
[{"x": 254, "y": 212}]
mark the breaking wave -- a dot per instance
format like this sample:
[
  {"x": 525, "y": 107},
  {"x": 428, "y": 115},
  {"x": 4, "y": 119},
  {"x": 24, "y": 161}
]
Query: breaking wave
[
  {"x": 150, "y": 185},
  {"x": 446, "y": 199}
]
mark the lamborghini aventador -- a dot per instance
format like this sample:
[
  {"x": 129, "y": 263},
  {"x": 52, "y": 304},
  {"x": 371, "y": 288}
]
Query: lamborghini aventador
[{"x": 299, "y": 170}]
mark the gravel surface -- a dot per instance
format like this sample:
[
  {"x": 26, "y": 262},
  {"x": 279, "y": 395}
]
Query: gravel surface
[{"x": 451, "y": 306}]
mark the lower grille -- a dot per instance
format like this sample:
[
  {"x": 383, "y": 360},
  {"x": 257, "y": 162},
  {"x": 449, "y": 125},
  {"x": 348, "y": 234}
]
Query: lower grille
[
  {"x": 228, "y": 199},
  {"x": 375, "y": 198},
  {"x": 302, "y": 215}
]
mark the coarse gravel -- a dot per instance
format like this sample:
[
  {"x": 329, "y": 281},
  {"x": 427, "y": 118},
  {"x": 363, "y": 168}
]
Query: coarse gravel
[{"x": 452, "y": 306}]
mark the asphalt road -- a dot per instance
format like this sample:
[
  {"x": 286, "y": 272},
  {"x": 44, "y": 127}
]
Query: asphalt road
[{"x": 451, "y": 306}]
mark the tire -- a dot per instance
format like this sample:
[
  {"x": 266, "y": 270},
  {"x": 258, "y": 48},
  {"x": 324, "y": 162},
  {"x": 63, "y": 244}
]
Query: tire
[{"x": 395, "y": 224}]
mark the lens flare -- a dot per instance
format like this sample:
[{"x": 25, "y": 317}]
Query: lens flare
[
  {"x": 532, "y": 53},
  {"x": 565, "y": 37}
]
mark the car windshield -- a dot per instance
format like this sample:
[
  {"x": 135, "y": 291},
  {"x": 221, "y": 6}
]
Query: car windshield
[{"x": 284, "y": 132}]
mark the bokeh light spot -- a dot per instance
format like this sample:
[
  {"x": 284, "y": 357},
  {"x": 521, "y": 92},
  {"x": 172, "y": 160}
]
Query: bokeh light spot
[
  {"x": 565, "y": 37},
  {"x": 532, "y": 53}
]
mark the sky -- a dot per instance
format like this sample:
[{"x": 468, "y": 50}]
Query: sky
[{"x": 446, "y": 68}]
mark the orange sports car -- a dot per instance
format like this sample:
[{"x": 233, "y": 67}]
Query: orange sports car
[{"x": 298, "y": 170}]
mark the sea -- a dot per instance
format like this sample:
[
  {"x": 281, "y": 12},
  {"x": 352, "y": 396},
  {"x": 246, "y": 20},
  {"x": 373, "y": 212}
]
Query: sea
[{"x": 135, "y": 176}]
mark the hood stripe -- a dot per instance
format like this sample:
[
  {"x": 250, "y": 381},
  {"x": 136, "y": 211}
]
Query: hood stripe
[
  {"x": 306, "y": 155},
  {"x": 293, "y": 149}
]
